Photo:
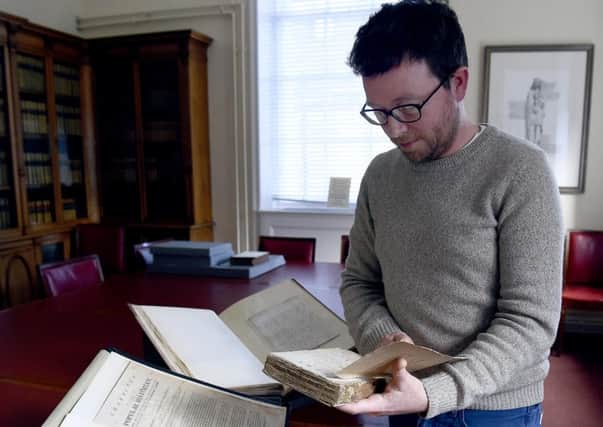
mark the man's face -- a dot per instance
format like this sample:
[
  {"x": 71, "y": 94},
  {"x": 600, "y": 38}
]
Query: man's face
[{"x": 411, "y": 83}]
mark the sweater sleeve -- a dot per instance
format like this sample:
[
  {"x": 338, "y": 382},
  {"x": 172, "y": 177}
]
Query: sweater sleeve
[
  {"x": 523, "y": 328},
  {"x": 361, "y": 291}
]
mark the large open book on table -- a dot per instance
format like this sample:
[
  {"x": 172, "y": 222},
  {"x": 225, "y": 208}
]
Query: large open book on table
[
  {"x": 229, "y": 350},
  {"x": 117, "y": 391},
  {"x": 336, "y": 376}
]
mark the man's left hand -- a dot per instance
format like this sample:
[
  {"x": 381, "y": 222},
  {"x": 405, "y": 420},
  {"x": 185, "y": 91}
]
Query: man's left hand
[{"x": 403, "y": 395}]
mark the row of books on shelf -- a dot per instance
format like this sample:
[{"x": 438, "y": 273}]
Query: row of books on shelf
[
  {"x": 38, "y": 168},
  {"x": 68, "y": 120},
  {"x": 5, "y": 213},
  {"x": 69, "y": 210},
  {"x": 2, "y": 116},
  {"x": 285, "y": 350},
  {"x": 66, "y": 80},
  {"x": 30, "y": 74},
  {"x": 40, "y": 212},
  {"x": 4, "y": 169},
  {"x": 34, "y": 117},
  {"x": 210, "y": 259}
]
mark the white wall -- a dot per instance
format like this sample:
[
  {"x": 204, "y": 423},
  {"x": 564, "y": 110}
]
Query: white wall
[
  {"x": 495, "y": 22},
  {"x": 60, "y": 16}
]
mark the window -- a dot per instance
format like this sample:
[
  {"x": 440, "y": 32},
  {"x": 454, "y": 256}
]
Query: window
[{"x": 310, "y": 128}]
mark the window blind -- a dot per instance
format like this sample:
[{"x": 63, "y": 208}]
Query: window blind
[{"x": 310, "y": 128}]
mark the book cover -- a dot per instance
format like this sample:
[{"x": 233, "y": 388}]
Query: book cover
[
  {"x": 249, "y": 258},
  {"x": 190, "y": 248},
  {"x": 225, "y": 269}
]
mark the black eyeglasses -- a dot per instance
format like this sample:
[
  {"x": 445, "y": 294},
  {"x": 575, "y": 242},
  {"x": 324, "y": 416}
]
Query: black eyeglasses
[{"x": 406, "y": 113}]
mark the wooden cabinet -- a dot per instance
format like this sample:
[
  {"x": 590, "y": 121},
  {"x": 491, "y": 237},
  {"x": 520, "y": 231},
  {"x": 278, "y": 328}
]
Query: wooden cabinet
[
  {"x": 47, "y": 169},
  {"x": 152, "y": 132}
]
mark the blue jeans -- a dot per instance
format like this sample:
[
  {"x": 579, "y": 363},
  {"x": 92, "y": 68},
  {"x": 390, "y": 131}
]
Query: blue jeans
[{"x": 529, "y": 416}]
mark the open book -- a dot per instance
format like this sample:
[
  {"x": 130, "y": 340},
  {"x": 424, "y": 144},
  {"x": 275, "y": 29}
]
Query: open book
[
  {"x": 117, "y": 391},
  {"x": 229, "y": 350},
  {"x": 336, "y": 376}
]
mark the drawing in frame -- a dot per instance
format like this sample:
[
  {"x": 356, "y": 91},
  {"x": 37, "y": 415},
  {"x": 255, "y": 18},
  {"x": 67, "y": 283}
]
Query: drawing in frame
[{"x": 542, "y": 93}]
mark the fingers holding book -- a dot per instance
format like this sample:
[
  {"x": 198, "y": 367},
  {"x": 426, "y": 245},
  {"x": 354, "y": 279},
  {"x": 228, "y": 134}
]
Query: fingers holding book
[{"x": 403, "y": 394}]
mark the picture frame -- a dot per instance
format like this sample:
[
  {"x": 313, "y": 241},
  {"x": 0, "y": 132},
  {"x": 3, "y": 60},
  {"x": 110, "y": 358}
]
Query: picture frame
[{"x": 542, "y": 93}]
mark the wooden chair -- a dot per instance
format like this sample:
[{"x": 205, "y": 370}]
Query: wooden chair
[
  {"x": 294, "y": 249},
  {"x": 105, "y": 240},
  {"x": 68, "y": 276},
  {"x": 344, "y": 248},
  {"x": 582, "y": 276}
]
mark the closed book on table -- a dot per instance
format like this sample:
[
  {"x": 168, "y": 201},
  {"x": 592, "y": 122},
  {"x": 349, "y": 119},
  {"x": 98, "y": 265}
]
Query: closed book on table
[
  {"x": 249, "y": 258},
  {"x": 191, "y": 248},
  {"x": 225, "y": 269},
  {"x": 185, "y": 261}
]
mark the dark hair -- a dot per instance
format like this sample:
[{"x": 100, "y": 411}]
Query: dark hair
[{"x": 412, "y": 30}]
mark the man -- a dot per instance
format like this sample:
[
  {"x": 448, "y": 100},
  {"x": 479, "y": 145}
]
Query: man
[{"x": 457, "y": 239}]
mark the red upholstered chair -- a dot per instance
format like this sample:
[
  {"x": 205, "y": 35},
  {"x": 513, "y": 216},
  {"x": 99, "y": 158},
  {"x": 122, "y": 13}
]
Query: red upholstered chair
[
  {"x": 582, "y": 275},
  {"x": 68, "y": 276},
  {"x": 295, "y": 249},
  {"x": 105, "y": 240},
  {"x": 344, "y": 248}
]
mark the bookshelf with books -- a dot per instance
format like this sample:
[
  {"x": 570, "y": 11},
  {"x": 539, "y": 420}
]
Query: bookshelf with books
[
  {"x": 47, "y": 160},
  {"x": 8, "y": 194},
  {"x": 152, "y": 130}
]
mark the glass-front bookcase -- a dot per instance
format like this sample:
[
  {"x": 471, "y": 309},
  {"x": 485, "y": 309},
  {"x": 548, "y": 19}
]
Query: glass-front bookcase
[
  {"x": 8, "y": 193},
  {"x": 163, "y": 152},
  {"x": 37, "y": 156},
  {"x": 69, "y": 141},
  {"x": 153, "y": 134},
  {"x": 116, "y": 127}
]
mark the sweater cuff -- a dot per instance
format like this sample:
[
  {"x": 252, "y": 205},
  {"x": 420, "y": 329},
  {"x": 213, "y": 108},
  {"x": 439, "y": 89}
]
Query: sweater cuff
[{"x": 441, "y": 393}]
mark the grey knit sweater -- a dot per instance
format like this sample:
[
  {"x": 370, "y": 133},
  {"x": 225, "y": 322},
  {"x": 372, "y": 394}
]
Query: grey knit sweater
[{"x": 464, "y": 255}]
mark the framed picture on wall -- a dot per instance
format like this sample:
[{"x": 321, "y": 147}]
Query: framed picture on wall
[{"x": 542, "y": 93}]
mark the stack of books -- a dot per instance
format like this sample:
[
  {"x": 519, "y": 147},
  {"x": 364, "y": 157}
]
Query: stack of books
[{"x": 210, "y": 259}]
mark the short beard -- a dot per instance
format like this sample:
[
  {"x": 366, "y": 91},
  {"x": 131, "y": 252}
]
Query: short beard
[{"x": 445, "y": 134}]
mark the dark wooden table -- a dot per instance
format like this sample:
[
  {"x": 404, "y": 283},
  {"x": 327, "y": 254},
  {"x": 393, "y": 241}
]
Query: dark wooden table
[{"x": 47, "y": 344}]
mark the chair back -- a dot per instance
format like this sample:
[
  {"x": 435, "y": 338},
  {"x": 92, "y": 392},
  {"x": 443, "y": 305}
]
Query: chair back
[
  {"x": 584, "y": 257},
  {"x": 295, "y": 249},
  {"x": 68, "y": 276},
  {"x": 105, "y": 240},
  {"x": 344, "y": 248}
]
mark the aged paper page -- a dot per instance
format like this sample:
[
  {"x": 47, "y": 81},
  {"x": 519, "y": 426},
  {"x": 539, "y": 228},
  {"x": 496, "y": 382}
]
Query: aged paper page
[
  {"x": 129, "y": 394},
  {"x": 377, "y": 361},
  {"x": 202, "y": 345},
  {"x": 285, "y": 317}
]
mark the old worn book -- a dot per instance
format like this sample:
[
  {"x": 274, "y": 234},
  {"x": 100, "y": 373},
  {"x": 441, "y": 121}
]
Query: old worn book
[
  {"x": 336, "y": 376},
  {"x": 229, "y": 350},
  {"x": 249, "y": 258},
  {"x": 116, "y": 390}
]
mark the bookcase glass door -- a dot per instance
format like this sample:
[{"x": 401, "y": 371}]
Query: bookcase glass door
[
  {"x": 163, "y": 149},
  {"x": 69, "y": 141},
  {"x": 36, "y": 144},
  {"x": 116, "y": 130},
  {"x": 8, "y": 211}
]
